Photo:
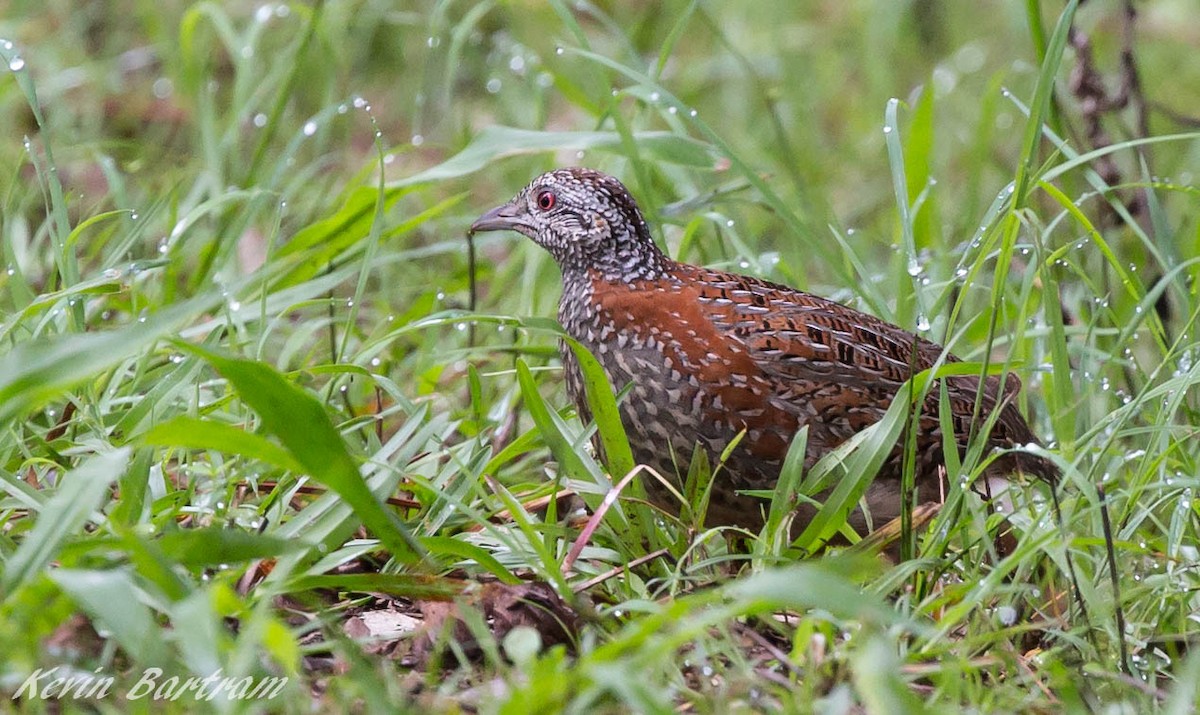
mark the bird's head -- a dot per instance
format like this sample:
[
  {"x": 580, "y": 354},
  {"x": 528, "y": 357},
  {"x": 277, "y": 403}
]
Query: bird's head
[{"x": 585, "y": 219}]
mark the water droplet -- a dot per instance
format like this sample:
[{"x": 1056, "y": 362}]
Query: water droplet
[
  {"x": 176, "y": 359},
  {"x": 922, "y": 323},
  {"x": 558, "y": 50},
  {"x": 344, "y": 389},
  {"x": 692, "y": 113},
  {"x": 517, "y": 64},
  {"x": 417, "y": 140},
  {"x": 432, "y": 41},
  {"x": 11, "y": 271},
  {"x": 16, "y": 64},
  {"x": 260, "y": 120},
  {"x": 162, "y": 88},
  {"x": 654, "y": 96},
  {"x": 375, "y": 362},
  {"x": 672, "y": 110},
  {"x": 349, "y": 302},
  {"x": 887, "y": 130},
  {"x": 282, "y": 10},
  {"x": 359, "y": 102},
  {"x": 729, "y": 223},
  {"x": 493, "y": 85},
  {"x": 960, "y": 273},
  {"x": 310, "y": 128},
  {"x": 263, "y": 14},
  {"x": 391, "y": 318},
  {"x": 460, "y": 326},
  {"x": 389, "y": 158},
  {"x": 133, "y": 216}
]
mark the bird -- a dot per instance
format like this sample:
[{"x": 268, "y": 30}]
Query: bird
[{"x": 710, "y": 357}]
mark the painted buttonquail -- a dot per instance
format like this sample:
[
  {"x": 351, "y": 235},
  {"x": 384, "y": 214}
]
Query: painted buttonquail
[{"x": 711, "y": 354}]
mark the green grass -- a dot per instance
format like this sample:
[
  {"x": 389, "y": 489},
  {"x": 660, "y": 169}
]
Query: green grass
[{"x": 246, "y": 399}]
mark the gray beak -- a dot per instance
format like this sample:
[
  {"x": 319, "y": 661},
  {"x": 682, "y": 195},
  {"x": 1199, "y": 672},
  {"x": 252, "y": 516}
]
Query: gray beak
[{"x": 502, "y": 218}]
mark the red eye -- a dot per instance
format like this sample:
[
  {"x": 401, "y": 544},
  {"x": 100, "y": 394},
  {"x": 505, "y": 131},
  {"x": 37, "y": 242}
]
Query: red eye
[{"x": 545, "y": 200}]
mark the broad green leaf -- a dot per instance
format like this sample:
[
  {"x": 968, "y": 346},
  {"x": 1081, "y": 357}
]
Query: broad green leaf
[
  {"x": 211, "y": 546},
  {"x": 194, "y": 433},
  {"x": 495, "y": 142},
  {"x": 109, "y": 597}
]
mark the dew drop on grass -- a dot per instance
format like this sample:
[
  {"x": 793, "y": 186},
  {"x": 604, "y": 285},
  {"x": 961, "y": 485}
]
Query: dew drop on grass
[
  {"x": 558, "y": 50},
  {"x": 887, "y": 130},
  {"x": 234, "y": 306},
  {"x": 16, "y": 64},
  {"x": 729, "y": 223},
  {"x": 654, "y": 96},
  {"x": 693, "y": 113},
  {"x": 922, "y": 323},
  {"x": 260, "y": 120},
  {"x": 11, "y": 271},
  {"x": 417, "y": 140},
  {"x": 672, "y": 110},
  {"x": 960, "y": 273},
  {"x": 310, "y": 128},
  {"x": 914, "y": 268},
  {"x": 375, "y": 362},
  {"x": 493, "y": 85}
]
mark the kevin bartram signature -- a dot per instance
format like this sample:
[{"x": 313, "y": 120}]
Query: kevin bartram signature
[{"x": 53, "y": 684}]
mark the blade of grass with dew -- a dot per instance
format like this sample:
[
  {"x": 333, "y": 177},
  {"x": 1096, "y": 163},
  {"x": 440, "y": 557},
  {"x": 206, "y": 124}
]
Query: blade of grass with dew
[
  {"x": 79, "y": 494},
  {"x": 301, "y": 423},
  {"x": 35, "y": 372}
]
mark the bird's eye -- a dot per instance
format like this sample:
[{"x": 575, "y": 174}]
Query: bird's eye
[{"x": 545, "y": 200}]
